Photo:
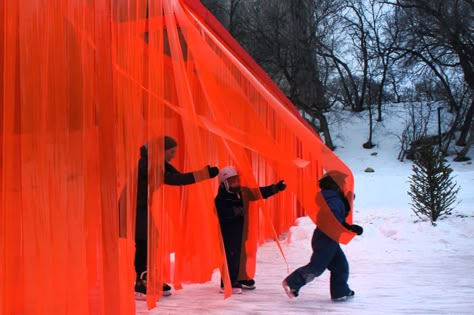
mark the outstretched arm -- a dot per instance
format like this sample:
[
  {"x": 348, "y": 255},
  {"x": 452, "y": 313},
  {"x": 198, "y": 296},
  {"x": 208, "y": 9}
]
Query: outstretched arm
[
  {"x": 174, "y": 178},
  {"x": 268, "y": 191}
]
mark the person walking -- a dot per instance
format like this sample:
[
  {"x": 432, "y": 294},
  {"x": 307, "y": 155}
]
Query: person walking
[{"x": 327, "y": 253}]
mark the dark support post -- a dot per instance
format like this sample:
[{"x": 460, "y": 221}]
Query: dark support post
[{"x": 439, "y": 127}]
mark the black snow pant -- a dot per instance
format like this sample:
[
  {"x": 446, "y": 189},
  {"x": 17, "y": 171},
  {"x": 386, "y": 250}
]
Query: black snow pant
[
  {"x": 329, "y": 257},
  {"x": 140, "y": 257},
  {"x": 232, "y": 236}
]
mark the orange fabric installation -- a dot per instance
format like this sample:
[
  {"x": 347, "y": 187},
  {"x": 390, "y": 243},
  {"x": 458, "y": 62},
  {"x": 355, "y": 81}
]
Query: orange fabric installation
[{"x": 84, "y": 85}]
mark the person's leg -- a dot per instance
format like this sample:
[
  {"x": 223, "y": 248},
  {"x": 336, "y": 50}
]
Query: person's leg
[
  {"x": 232, "y": 250},
  {"x": 232, "y": 238},
  {"x": 339, "y": 268},
  {"x": 140, "y": 268},
  {"x": 140, "y": 257},
  {"x": 141, "y": 248},
  {"x": 244, "y": 279},
  {"x": 318, "y": 263}
]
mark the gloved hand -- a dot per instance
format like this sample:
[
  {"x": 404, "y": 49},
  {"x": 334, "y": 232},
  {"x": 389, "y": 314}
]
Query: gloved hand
[
  {"x": 357, "y": 229},
  {"x": 353, "y": 228},
  {"x": 213, "y": 171},
  {"x": 281, "y": 185}
]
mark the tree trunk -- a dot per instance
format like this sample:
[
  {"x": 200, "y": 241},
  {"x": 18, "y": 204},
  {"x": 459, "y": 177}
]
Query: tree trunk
[
  {"x": 462, "y": 155},
  {"x": 466, "y": 125},
  {"x": 380, "y": 96},
  {"x": 369, "y": 144},
  {"x": 323, "y": 123}
]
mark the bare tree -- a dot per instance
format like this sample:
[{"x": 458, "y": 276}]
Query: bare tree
[
  {"x": 323, "y": 52},
  {"x": 282, "y": 36},
  {"x": 357, "y": 28},
  {"x": 384, "y": 39},
  {"x": 415, "y": 131},
  {"x": 228, "y": 12},
  {"x": 346, "y": 47},
  {"x": 440, "y": 34}
]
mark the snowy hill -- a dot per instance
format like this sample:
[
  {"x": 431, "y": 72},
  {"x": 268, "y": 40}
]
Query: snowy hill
[{"x": 400, "y": 265}]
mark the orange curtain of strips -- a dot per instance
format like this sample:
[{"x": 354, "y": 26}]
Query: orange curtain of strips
[{"x": 84, "y": 85}]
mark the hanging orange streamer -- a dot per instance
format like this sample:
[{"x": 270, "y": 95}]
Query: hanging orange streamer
[{"x": 84, "y": 85}]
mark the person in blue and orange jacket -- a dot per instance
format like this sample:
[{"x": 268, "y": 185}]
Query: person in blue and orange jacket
[{"x": 327, "y": 253}]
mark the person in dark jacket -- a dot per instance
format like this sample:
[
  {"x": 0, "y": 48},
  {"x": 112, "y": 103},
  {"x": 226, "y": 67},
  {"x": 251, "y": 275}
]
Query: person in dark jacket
[
  {"x": 327, "y": 253},
  {"x": 171, "y": 177},
  {"x": 232, "y": 205}
]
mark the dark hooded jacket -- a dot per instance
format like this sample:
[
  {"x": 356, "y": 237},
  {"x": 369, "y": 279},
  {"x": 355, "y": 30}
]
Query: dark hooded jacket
[
  {"x": 336, "y": 205},
  {"x": 172, "y": 177},
  {"x": 231, "y": 208}
]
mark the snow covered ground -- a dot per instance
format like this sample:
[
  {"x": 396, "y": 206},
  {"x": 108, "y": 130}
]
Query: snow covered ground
[{"x": 400, "y": 265}]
